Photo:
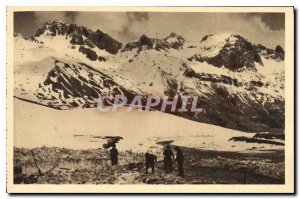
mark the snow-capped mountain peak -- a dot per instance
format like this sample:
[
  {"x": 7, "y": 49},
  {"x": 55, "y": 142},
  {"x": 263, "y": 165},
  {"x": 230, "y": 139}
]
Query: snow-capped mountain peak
[
  {"x": 79, "y": 35},
  {"x": 53, "y": 28},
  {"x": 175, "y": 41},
  {"x": 218, "y": 39},
  {"x": 172, "y": 41},
  {"x": 229, "y": 50}
]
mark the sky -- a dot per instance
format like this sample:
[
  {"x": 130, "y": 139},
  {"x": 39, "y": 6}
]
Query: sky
[{"x": 264, "y": 28}]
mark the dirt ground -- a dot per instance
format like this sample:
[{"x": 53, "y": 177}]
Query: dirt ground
[{"x": 66, "y": 166}]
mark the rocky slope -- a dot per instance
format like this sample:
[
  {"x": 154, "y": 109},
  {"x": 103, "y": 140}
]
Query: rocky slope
[{"x": 240, "y": 84}]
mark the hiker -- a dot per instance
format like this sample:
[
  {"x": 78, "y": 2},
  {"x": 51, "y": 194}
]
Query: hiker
[
  {"x": 114, "y": 155},
  {"x": 179, "y": 159},
  {"x": 168, "y": 159},
  {"x": 150, "y": 159},
  {"x": 18, "y": 174}
]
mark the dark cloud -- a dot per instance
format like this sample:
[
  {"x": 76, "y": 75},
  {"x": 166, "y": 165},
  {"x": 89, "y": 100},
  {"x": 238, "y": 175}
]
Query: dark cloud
[
  {"x": 24, "y": 23},
  {"x": 137, "y": 16},
  {"x": 132, "y": 17},
  {"x": 71, "y": 16},
  {"x": 273, "y": 21}
]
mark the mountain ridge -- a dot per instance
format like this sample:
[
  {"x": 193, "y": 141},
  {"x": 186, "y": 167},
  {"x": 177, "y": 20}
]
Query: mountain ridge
[{"x": 239, "y": 84}]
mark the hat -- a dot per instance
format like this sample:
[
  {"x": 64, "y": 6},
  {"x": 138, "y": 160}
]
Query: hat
[{"x": 150, "y": 151}]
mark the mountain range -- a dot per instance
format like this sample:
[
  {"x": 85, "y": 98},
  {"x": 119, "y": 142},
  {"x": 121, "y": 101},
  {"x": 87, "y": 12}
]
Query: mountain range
[{"x": 240, "y": 84}]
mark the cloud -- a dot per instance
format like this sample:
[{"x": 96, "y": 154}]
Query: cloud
[
  {"x": 132, "y": 17},
  {"x": 137, "y": 16},
  {"x": 71, "y": 16},
  {"x": 263, "y": 28},
  {"x": 67, "y": 17},
  {"x": 275, "y": 21},
  {"x": 42, "y": 17},
  {"x": 24, "y": 22},
  {"x": 272, "y": 21}
]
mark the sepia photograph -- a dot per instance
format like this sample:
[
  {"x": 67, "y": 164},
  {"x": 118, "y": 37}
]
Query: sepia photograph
[{"x": 150, "y": 99}]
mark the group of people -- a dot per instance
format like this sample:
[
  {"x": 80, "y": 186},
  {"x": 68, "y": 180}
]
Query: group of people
[
  {"x": 150, "y": 159},
  {"x": 169, "y": 157}
]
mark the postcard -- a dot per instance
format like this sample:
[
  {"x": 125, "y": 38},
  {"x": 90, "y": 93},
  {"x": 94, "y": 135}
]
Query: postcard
[{"x": 150, "y": 100}]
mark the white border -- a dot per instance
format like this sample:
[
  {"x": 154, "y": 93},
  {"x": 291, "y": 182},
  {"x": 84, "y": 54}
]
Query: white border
[{"x": 102, "y": 3}]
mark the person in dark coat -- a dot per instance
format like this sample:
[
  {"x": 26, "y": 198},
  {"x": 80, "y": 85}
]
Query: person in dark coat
[
  {"x": 180, "y": 160},
  {"x": 150, "y": 159},
  {"x": 168, "y": 159},
  {"x": 114, "y": 155}
]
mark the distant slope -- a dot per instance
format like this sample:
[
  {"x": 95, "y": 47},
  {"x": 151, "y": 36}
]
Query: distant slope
[{"x": 83, "y": 129}]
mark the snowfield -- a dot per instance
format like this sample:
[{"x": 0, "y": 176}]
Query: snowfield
[{"x": 36, "y": 126}]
